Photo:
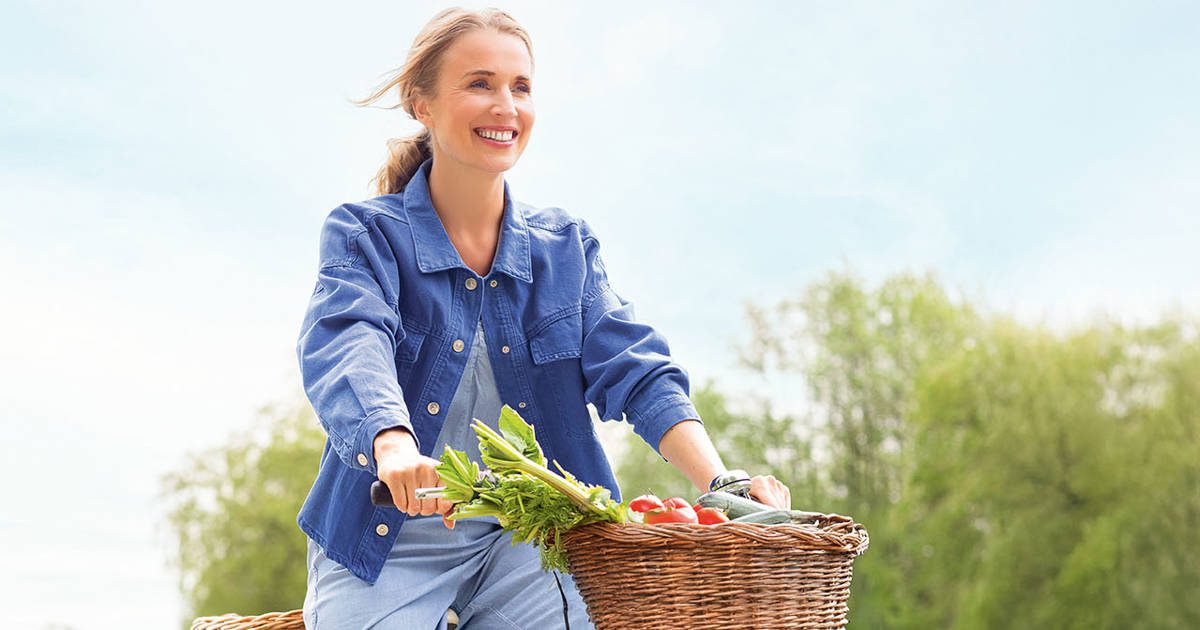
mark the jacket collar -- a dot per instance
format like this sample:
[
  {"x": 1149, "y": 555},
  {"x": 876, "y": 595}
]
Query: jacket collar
[{"x": 434, "y": 250}]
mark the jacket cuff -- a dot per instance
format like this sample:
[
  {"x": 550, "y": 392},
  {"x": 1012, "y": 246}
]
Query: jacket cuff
[
  {"x": 652, "y": 423},
  {"x": 371, "y": 427}
]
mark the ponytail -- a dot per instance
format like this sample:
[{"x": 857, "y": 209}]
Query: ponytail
[{"x": 405, "y": 155}]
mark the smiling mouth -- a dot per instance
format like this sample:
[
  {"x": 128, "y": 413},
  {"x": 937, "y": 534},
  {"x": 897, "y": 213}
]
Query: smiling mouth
[{"x": 503, "y": 137}]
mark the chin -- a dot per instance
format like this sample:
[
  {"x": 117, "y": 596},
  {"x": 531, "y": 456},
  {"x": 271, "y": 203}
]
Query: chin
[{"x": 496, "y": 165}]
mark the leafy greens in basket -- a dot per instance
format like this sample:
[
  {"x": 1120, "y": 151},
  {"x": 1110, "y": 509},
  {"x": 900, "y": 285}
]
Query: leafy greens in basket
[{"x": 526, "y": 497}]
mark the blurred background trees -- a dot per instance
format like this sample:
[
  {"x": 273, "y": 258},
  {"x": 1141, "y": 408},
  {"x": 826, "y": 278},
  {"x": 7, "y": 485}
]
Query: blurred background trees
[
  {"x": 1009, "y": 475},
  {"x": 233, "y": 515}
]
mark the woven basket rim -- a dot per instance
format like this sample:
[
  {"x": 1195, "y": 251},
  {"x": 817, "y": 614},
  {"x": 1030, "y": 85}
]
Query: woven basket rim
[
  {"x": 265, "y": 621},
  {"x": 833, "y": 533}
]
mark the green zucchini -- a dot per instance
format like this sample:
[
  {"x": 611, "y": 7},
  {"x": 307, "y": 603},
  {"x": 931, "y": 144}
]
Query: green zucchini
[
  {"x": 737, "y": 507},
  {"x": 733, "y": 505},
  {"x": 769, "y": 517}
]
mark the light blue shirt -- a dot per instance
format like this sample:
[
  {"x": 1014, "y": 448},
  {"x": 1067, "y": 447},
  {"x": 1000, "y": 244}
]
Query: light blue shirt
[{"x": 476, "y": 397}]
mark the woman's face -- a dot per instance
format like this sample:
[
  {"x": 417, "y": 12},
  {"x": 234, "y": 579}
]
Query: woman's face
[{"x": 484, "y": 87}]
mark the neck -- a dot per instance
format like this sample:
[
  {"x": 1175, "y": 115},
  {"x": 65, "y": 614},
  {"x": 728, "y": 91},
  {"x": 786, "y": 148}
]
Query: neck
[{"x": 468, "y": 201}]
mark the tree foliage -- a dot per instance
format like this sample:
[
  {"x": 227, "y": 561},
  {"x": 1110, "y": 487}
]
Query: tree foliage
[
  {"x": 233, "y": 515},
  {"x": 1056, "y": 482}
]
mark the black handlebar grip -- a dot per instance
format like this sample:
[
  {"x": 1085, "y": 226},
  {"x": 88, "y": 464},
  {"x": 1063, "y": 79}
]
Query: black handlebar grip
[{"x": 381, "y": 496}]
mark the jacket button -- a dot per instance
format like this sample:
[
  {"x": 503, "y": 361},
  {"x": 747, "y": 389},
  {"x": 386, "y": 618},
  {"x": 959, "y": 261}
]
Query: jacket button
[
  {"x": 521, "y": 404},
  {"x": 504, "y": 349},
  {"x": 471, "y": 284},
  {"x": 381, "y": 529},
  {"x": 362, "y": 459},
  {"x": 433, "y": 408},
  {"x": 493, "y": 284},
  {"x": 458, "y": 345}
]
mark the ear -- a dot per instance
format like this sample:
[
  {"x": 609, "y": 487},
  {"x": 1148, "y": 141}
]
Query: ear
[{"x": 421, "y": 111}]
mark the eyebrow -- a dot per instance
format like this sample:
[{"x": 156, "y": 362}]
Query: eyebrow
[{"x": 489, "y": 73}]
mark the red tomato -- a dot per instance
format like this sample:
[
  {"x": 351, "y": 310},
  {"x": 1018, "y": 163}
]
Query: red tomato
[
  {"x": 711, "y": 516},
  {"x": 645, "y": 503},
  {"x": 676, "y": 502},
  {"x": 668, "y": 515}
]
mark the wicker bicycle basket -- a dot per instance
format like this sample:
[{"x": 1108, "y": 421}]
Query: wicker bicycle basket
[{"x": 729, "y": 575}]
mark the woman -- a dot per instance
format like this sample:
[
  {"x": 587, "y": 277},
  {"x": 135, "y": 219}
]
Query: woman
[{"x": 437, "y": 302}]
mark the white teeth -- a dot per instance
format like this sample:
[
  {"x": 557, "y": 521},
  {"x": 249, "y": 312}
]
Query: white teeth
[{"x": 502, "y": 136}]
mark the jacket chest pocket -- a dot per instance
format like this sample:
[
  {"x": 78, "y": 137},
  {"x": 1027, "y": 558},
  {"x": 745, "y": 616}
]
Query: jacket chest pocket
[
  {"x": 560, "y": 338},
  {"x": 555, "y": 347}
]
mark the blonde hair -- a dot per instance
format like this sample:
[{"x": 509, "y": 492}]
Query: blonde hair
[{"x": 418, "y": 76}]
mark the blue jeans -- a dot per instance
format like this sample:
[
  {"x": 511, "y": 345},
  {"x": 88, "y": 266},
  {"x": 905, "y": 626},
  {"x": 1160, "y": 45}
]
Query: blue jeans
[{"x": 473, "y": 568}]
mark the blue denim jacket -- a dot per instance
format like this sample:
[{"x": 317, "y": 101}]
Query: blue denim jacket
[{"x": 382, "y": 344}]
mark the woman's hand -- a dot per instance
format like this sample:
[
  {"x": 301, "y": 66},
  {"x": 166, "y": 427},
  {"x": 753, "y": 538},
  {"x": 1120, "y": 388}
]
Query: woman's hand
[
  {"x": 403, "y": 469},
  {"x": 770, "y": 491}
]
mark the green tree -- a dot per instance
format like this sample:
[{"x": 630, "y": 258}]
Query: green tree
[
  {"x": 233, "y": 514},
  {"x": 856, "y": 353},
  {"x": 1009, "y": 476},
  {"x": 1056, "y": 482}
]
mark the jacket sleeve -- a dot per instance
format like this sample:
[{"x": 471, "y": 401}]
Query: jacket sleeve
[
  {"x": 627, "y": 365},
  {"x": 348, "y": 341}
]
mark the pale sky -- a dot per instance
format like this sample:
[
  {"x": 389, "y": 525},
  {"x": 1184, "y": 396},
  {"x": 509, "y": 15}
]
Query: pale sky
[{"x": 167, "y": 166}]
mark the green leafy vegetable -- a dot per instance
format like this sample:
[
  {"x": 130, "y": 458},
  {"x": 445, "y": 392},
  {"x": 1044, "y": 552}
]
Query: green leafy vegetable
[
  {"x": 525, "y": 496},
  {"x": 520, "y": 435}
]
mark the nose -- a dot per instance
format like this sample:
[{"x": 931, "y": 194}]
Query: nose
[{"x": 504, "y": 104}]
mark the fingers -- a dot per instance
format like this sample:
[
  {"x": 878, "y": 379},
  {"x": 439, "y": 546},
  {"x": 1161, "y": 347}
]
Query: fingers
[
  {"x": 399, "y": 493},
  {"x": 770, "y": 491},
  {"x": 399, "y": 485},
  {"x": 781, "y": 491},
  {"x": 406, "y": 477},
  {"x": 428, "y": 479},
  {"x": 761, "y": 491}
]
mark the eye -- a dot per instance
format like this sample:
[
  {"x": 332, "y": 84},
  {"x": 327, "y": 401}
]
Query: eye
[{"x": 522, "y": 87}]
